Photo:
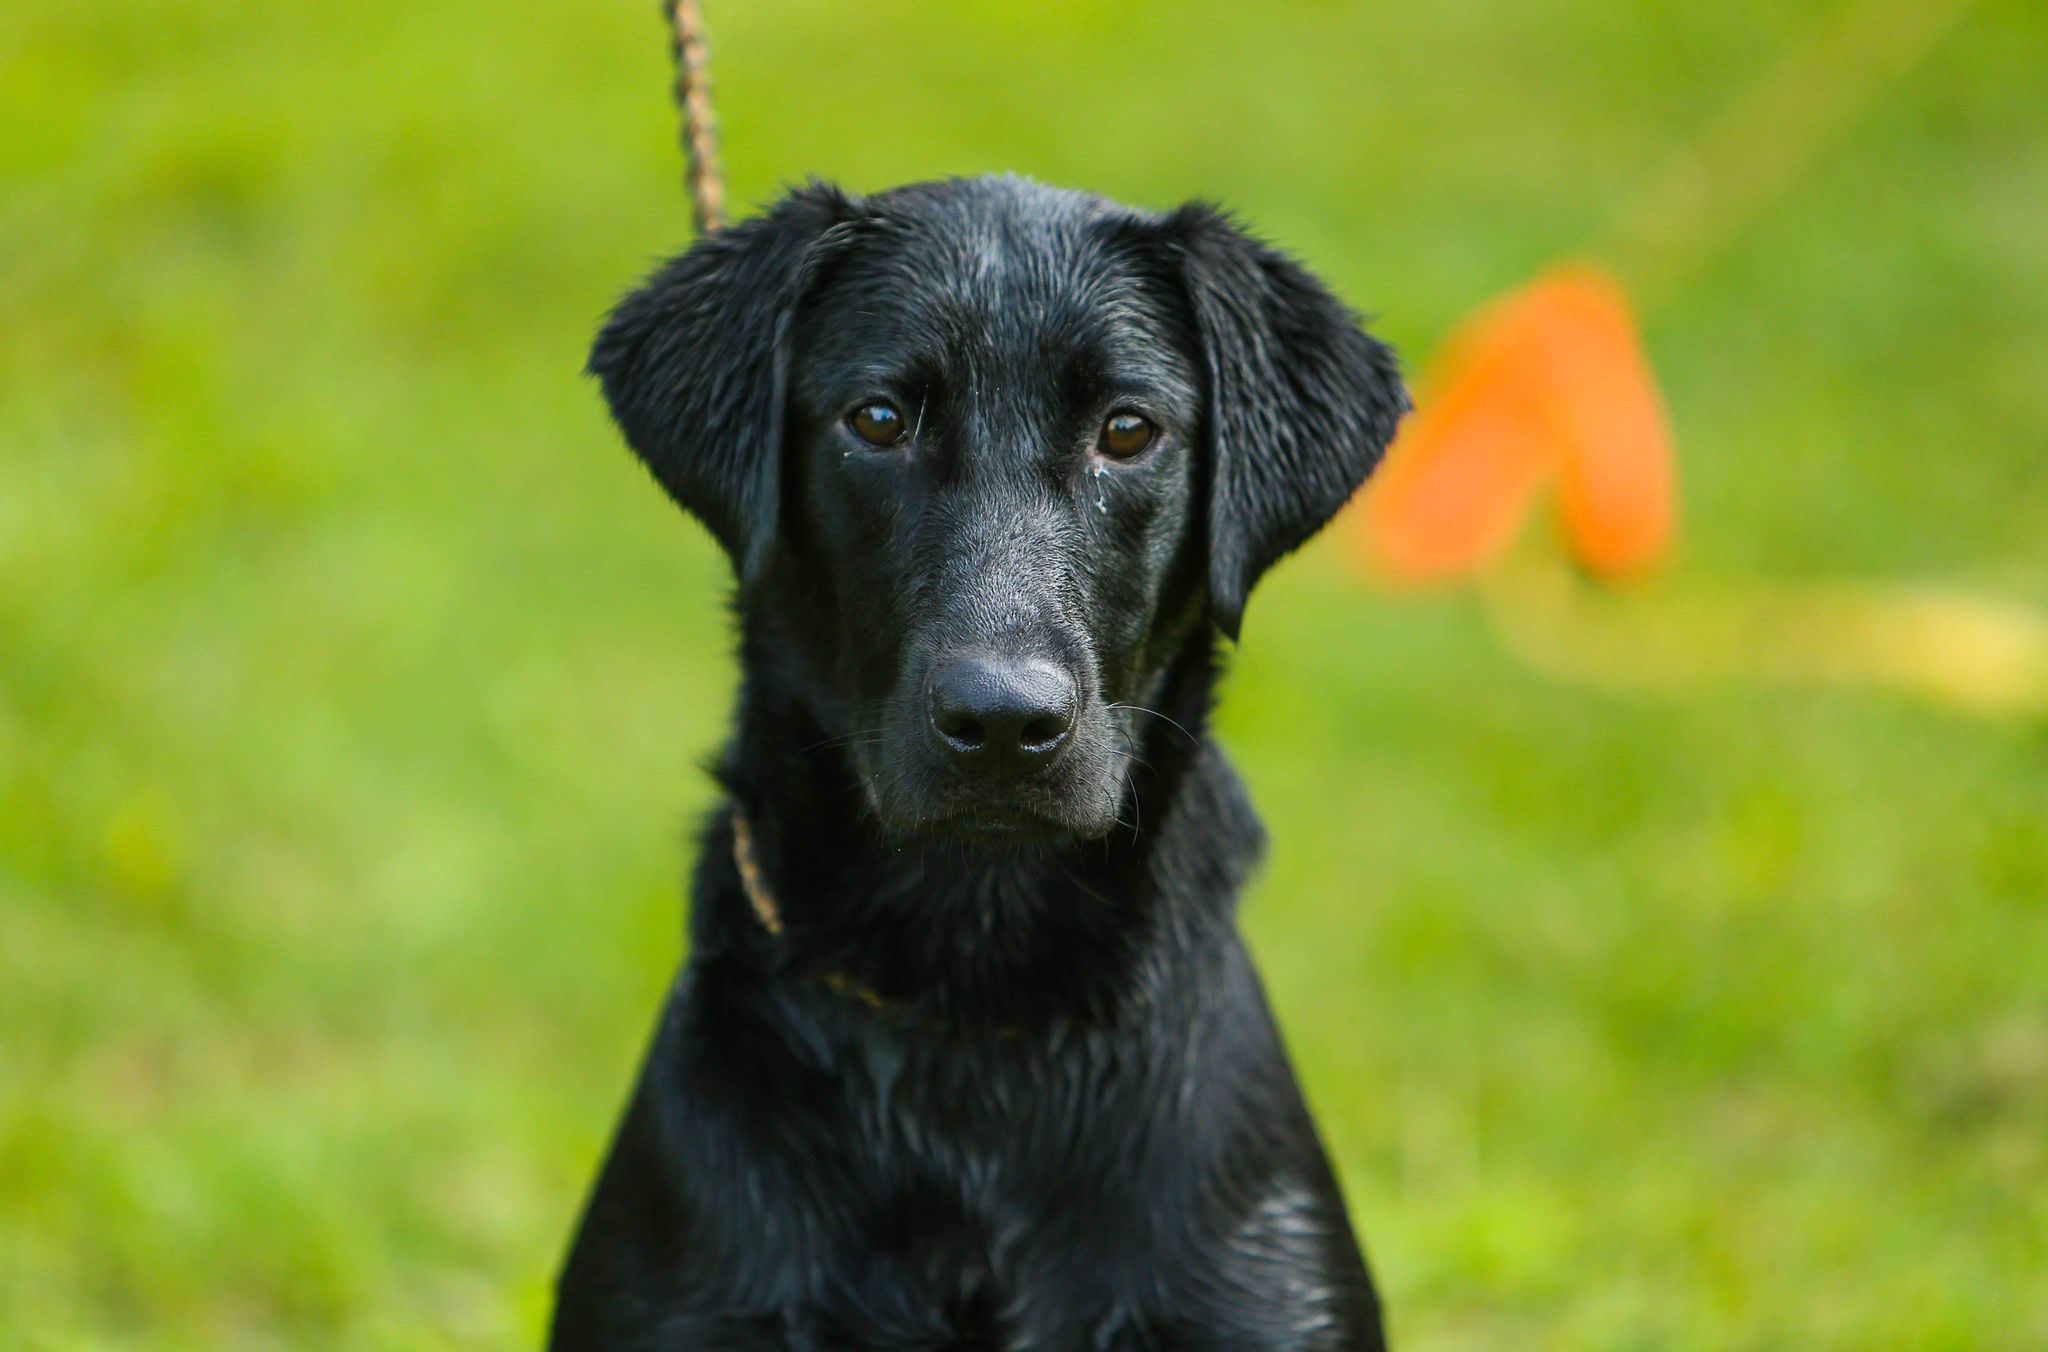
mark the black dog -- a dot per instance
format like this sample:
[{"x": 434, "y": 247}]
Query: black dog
[{"x": 968, "y": 1052}]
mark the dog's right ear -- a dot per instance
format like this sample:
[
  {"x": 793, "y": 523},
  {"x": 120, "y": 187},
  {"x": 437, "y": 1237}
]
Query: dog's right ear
[{"x": 695, "y": 366}]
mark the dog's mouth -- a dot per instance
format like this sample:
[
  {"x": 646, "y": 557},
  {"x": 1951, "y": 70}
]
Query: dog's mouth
[
  {"x": 910, "y": 798},
  {"x": 1001, "y": 826},
  {"x": 995, "y": 820}
]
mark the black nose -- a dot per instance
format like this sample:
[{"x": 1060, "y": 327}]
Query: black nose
[{"x": 1001, "y": 714}]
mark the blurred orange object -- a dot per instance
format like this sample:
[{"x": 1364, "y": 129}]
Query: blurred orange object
[{"x": 1549, "y": 381}]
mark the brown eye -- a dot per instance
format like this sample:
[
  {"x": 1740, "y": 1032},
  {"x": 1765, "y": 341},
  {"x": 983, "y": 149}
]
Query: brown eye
[
  {"x": 878, "y": 424},
  {"x": 1127, "y": 433}
]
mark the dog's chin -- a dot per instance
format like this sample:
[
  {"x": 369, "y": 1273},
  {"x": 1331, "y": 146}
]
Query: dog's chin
[
  {"x": 1057, "y": 809},
  {"x": 997, "y": 824},
  {"x": 997, "y": 827}
]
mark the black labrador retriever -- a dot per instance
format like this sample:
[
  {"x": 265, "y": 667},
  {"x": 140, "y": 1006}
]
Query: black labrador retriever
[{"x": 968, "y": 1052}]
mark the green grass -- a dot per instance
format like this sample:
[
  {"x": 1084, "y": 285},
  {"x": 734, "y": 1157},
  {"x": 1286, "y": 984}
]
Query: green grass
[{"x": 353, "y": 679}]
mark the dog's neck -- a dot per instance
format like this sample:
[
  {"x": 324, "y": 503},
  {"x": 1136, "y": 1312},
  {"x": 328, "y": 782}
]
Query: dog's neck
[{"x": 945, "y": 934}]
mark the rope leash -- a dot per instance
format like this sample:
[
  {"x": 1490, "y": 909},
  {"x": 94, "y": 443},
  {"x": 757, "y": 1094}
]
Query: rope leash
[
  {"x": 702, "y": 176},
  {"x": 762, "y": 900},
  {"x": 706, "y": 185},
  {"x": 756, "y": 888}
]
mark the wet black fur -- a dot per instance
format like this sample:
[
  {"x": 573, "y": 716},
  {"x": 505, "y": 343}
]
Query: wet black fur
[{"x": 1070, "y": 1122}]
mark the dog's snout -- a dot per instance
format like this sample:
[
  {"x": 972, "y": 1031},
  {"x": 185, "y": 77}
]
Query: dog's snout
[{"x": 1002, "y": 714}]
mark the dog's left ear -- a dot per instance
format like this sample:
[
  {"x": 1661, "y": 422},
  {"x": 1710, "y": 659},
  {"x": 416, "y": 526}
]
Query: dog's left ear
[
  {"x": 695, "y": 367},
  {"x": 1301, "y": 400}
]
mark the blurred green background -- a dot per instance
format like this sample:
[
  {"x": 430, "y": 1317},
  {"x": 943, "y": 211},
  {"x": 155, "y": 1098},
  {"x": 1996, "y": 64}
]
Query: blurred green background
[{"x": 354, "y": 679}]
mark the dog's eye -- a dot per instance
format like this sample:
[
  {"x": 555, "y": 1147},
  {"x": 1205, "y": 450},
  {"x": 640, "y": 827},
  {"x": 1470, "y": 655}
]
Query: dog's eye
[
  {"x": 1127, "y": 433},
  {"x": 878, "y": 423}
]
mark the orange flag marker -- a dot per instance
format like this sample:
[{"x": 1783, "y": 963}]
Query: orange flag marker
[{"x": 1549, "y": 384}]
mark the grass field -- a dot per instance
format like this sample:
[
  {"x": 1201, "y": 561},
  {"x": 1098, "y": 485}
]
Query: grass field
[{"x": 353, "y": 680}]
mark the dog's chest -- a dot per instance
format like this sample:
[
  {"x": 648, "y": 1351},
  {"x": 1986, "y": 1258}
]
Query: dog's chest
[
  {"x": 929, "y": 1273},
  {"x": 1024, "y": 1206},
  {"x": 1004, "y": 1168}
]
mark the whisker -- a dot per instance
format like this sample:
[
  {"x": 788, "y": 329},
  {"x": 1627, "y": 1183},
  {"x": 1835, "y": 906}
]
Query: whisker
[
  {"x": 1141, "y": 709},
  {"x": 862, "y": 737},
  {"x": 1084, "y": 889},
  {"x": 1129, "y": 750}
]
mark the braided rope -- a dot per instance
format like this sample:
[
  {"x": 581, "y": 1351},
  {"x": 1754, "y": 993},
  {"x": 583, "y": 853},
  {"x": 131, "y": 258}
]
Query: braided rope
[
  {"x": 706, "y": 184},
  {"x": 751, "y": 881}
]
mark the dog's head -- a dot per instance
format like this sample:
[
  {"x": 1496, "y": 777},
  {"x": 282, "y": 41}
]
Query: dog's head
[{"x": 986, "y": 454}]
